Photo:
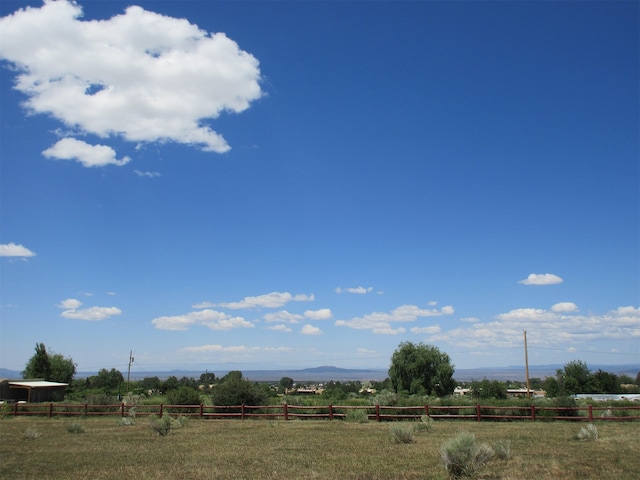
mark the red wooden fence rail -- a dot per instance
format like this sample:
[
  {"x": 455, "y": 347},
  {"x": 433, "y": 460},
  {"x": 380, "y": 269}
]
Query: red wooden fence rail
[{"x": 374, "y": 412}]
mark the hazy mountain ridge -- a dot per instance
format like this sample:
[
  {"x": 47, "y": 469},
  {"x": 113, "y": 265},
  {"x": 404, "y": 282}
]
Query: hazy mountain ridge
[{"x": 332, "y": 373}]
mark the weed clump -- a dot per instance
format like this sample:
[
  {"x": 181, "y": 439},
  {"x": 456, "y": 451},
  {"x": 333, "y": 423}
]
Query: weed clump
[
  {"x": 502, "y": 449},
  {"x": 31, "y": 434},
  {"x": 588, "y": 433},
  {"x": 402, "y": 433},
  {"x": 356, "y": 416},
  {"x": 463, "y": 456},
  {"x": 425, "y": 424},
  {"x": 75, "y": 427},
  {"x": 162, "y": 425}
]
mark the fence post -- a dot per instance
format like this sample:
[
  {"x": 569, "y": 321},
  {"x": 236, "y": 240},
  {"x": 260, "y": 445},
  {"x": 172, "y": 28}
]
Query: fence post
[
  {"x": 426, "y": 410},
  {"x": 242, "y": 414},
  {"x": 330, "y": 412},
  {"x": 122, "y": 409},
  {"x": 201, "y": 410},
  {"x": 590, "y": 412},
  {"x": 533, "y": 412},
  {"x": 285, "y": 409},
  {"x": 15, "y": 409},
  {"x": 86, "y": 409},
  {"x": 160, "y": 412},
  {"x": 478, "y": 415},
  {"x": 377, "y": 412}
]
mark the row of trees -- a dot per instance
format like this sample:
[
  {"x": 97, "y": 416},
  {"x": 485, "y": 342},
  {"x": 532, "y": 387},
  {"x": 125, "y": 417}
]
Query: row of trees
[{"x": 416, "y": 369}]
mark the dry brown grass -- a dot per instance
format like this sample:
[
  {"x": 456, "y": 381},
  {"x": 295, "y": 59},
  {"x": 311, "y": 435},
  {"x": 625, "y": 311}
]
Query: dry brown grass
[{"x": 261, "y": 449}]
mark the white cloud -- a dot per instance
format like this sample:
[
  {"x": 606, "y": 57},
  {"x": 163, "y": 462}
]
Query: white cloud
[
  {"x": 356, "y": 290},
  {"x": 280, "y": 328},
  {"x": 541, "y": 279},
  {"x": 141, "y": 76},
  {"x": 545, "y": 329},
  {"x": 234, "y": 349},
  {"x": 208, "y": 318},
  {"x": 147, "y": 174},
  {"x": 283, "y": 316},
  {"x": 380, "y": 322},
  {"x": 310, "y": 330},
  {"x": 429, "y": 330},
  {"x": 269, "y": 300},
  {"x": 70, "y": 304},
  {"x": 321, "y": 314},
  {"x": 13, "y": 250},
  {"x": 95, "y": 314},
  {"x": 88, "y": 155},
  {"x": 71, "y": 307},
  {"x": 565, "y": 307}
]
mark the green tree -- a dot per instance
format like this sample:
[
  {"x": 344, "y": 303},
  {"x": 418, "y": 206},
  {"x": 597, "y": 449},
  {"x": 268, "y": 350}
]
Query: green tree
[
  {"x": 576, "y": 378},
  {"x": 108, "y": 381},
  {"x": 421, "y": 369},
  {"x": 605, "y": 382},
  {"x": 488, "y": 389},
  {"x": 150, "y": 384},
  {"x": 286, "y": 382},
  {"x": 207, "y": 378},
  {"x": 238, "y": 391},
  {"x": 39, "y": 365},
  {"x": 62, "y": 369},
  {"x": 184, "y": 395},
  {"x": 551, "y": 387},
  {"x": 171, "y": 383}
]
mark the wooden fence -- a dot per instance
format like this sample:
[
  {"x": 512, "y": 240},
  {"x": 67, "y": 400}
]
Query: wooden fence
[{"x": 375, "y": 412}]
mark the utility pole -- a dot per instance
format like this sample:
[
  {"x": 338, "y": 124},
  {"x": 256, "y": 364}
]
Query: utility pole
[
  {"x": 129, "y": 371},
  {"x": 526, "y": 364}
]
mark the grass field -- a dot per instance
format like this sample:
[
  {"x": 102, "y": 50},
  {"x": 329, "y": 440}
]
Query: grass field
[{"x": 261, "y": 449}]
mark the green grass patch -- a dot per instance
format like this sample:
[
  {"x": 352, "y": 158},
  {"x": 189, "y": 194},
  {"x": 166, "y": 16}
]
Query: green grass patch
[{"x": 262, "y": 449}]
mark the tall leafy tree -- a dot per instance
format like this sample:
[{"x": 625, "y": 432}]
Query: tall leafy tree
[
  {"x": 62, "y": 369},
  {"x": 421, "y": 369},
  {"x": 39, "y": 365}
]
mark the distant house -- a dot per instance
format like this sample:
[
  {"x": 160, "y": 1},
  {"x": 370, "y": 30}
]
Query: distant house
[{"x": 31, "y": 391}]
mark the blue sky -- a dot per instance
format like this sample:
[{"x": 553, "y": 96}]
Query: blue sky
[{"x": 220, "y": 185}]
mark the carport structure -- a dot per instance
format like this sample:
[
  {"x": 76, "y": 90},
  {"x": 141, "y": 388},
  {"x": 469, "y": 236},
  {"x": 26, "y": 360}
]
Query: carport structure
[{"x": 37, "y": 390}]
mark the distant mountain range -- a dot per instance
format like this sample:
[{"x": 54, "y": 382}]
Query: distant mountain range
[{"x": 329, "y": 373}]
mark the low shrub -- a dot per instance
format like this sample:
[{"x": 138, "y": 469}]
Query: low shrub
[
  {"x": 588, "y": 433},
  {"x": 31, "y": 434},
  {"x": 463, "y": 456},
  {"x": 75, "y": 427},
  {"x": 502, "y": 449},
  {"x": 162, "y": 425},
  {"x": 402, "y": 432},
  {"x": 356, "y": 415},
  {"x": 425, "y": 424},
  {"x": 126, "y": 422}
]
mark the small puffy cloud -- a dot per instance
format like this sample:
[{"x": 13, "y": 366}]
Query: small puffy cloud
[
  {"x": 147, "y": 174},
  {"x": 94, "y": 314},
  {"x": 565, "y": 307},
  {"x": 433, "y": 329},
  {"x": 70, "y": 304},
  {"x": 356, "y": 290},
  {"x": 72, "y": 310},
  {"x": 310, "y": 330},
  {"x": 269, "y": 300},
  {"x": 140, "y": 75},
  {"x": 283, "y": 317},
  {"x": 209, "y": 318},
  {"x": 13, "y": 250},
  {"x": 380, "y": 322},
  {"x": 234, "y": 349},
  {"x": 88, "y": 155},
  {"x": 280, "y": 328},
  {"x": 541, "y": 279},
  {"x": 321, "y": 314}
]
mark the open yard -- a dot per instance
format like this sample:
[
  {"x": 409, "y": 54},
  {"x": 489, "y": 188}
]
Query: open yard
[{"x": 262, "y": 449}]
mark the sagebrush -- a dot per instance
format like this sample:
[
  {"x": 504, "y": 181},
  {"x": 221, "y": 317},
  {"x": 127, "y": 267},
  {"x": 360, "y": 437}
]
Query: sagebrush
[{"x": 463, "y": 455}]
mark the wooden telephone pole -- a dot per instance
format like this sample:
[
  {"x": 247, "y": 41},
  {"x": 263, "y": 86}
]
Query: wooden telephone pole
[
  {"x": 129, "y": 371},
  {"x": 526, "y": 365}
]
